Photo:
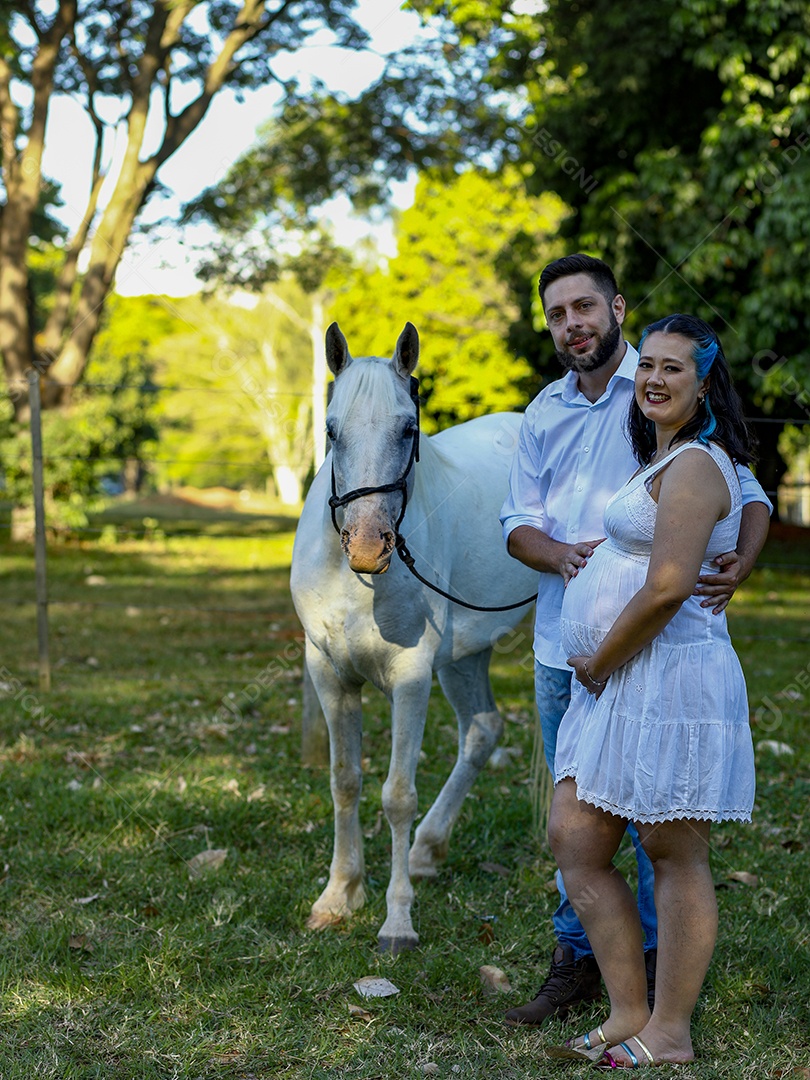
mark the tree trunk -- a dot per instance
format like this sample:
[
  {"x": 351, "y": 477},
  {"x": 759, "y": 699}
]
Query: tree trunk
[
  {"x": 65, "y": 357},
  {"x": 288, "y": 484}
]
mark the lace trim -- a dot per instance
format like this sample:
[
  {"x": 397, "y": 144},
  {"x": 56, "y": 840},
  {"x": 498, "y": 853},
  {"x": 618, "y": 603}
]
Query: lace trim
[
  {"x": 652, "y": 819},
  {"x": 642, "y": 510}
]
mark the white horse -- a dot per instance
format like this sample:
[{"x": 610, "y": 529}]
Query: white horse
[{"x": 368, "y": 619}]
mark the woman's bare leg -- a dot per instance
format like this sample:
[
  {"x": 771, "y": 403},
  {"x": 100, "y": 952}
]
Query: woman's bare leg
[
  {"x": 584, "y": 840},
  {"x": 687, "y": 930}
]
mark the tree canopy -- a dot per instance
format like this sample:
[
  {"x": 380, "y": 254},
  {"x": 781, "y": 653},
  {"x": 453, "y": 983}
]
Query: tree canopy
[
  {"x": 123, "y": 60},
  {"x": 468, "y": 253},
  {"x": 679, "y": 135},
  {"x": 676, "y": 133}
]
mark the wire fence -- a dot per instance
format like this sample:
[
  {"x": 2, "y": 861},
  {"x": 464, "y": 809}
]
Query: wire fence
[{"x": 793, "y": 499}]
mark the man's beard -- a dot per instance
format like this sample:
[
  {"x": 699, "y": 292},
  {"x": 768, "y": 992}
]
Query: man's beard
[{"x": 601, "y": 356}]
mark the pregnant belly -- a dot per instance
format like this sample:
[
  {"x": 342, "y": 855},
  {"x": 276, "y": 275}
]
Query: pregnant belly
[{"x": 595, "y": 598}]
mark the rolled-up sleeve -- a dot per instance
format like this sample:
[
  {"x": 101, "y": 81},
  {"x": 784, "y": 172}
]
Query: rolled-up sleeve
[
  {"x": 752, "y": 490},
  {"x": 524, "y": 503}
]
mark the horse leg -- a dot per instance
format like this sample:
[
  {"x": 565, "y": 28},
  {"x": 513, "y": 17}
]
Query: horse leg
[
  {"x": 341, "y": 706},
  {"x": 467, "y": 687},
  {"x": 409, "y": 702}
]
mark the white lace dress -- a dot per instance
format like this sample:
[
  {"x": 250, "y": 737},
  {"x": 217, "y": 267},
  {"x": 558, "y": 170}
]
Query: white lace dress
[{"x": 669, "y": 736}]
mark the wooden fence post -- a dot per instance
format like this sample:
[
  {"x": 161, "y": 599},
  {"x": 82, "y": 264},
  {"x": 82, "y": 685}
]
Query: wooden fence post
[{"x": 39, "y": 531}]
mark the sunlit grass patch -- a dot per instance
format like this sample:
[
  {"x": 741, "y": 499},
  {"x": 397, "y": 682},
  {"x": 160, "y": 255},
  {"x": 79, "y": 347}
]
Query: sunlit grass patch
[{"x": 152, "y": 748}]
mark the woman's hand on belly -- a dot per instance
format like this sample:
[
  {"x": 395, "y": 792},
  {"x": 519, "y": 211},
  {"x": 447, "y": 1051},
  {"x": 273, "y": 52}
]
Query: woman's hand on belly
[{"x": 580, "y": 665}]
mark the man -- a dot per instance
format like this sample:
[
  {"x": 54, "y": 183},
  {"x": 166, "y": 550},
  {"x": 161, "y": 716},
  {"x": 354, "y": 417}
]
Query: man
[{"x": 572, "y": 456}]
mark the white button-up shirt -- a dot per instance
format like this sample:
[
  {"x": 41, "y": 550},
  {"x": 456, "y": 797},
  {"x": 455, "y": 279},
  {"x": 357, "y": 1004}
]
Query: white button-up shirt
[{"x": 572, "y": 456}]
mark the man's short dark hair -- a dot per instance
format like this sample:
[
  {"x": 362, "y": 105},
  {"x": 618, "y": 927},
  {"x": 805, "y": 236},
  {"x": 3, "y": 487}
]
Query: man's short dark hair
[{"x": 598, "y": 271}]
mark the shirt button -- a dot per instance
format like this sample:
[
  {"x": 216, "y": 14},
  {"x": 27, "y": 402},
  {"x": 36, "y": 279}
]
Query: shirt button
[
  {"x": 579, "y": 487},
  {"x": 586, "y": 449}
]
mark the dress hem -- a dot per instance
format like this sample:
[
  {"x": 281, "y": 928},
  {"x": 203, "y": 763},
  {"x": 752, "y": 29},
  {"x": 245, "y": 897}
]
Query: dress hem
[{"x": 678, "y": 814}]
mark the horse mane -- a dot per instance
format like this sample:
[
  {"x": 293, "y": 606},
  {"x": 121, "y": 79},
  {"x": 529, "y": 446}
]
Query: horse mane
[{"x": 366, "y": 386}]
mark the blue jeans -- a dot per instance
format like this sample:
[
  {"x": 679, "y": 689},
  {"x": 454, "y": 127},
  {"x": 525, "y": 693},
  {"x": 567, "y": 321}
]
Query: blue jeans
[{"x": 552, "y": 688}]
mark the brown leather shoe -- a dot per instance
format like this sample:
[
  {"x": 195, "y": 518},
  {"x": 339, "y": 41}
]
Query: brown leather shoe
[{"x": 568, "y": 982}]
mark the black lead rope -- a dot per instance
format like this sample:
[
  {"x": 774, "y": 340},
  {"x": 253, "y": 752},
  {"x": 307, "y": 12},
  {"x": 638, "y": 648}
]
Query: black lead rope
[
  {"x": 336, "y": 501},
  {"x": 407, "y": 558}
]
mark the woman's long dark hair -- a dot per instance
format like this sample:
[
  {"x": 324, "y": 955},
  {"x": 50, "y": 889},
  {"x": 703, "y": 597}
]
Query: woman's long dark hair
[{"x": 720, "y": 414}]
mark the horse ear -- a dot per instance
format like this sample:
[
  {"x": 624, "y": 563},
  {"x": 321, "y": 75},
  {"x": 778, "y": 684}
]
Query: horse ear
[
  {"x": 337, "y": 350},
  {"x": 406, "y": 353}
]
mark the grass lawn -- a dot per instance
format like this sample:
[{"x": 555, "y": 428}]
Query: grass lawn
[{"x": 156, "y": 745}]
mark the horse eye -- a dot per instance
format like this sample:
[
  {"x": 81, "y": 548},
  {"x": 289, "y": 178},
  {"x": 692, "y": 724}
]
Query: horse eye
[{"x": 330, "y": 432}]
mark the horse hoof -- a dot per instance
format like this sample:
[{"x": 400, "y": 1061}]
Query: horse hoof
[
  {"x": 321, "y": 920},
  {"x": 395, "y": 945}
]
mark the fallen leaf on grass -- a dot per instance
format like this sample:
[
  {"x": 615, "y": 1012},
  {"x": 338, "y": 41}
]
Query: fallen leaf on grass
[
  {"x": 85, "y": 760},
  {"x": 214, "y": 731},
  {"x": 87, "y": 899},
  {"x": 373, "y": 986},
  {"x": 227, "y": 1057},
  {"x": 206, "y": 862},
  {"x": 486, "y": 933},
  {"x": 79, "y": 941},
  {"x": 494, "y": 979},
  {"x": 744, "y": 877},
  {"x": 357, "y": 1012},
  {"x": 494, "y": 868}
]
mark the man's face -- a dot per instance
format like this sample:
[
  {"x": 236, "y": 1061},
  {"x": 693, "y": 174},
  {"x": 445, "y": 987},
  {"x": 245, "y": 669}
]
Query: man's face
[{"x": 586, "y": 328}]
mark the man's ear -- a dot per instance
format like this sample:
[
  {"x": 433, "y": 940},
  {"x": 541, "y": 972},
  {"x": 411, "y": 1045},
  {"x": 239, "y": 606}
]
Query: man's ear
[{"x": 619, "y": 307}]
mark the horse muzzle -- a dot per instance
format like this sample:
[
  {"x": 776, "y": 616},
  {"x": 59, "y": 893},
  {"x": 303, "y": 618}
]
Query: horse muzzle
[{"x": 368, "y": 554}]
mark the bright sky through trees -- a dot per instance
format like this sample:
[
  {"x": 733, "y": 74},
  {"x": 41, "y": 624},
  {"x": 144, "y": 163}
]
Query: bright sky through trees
[{"x": 160, "y": 264}]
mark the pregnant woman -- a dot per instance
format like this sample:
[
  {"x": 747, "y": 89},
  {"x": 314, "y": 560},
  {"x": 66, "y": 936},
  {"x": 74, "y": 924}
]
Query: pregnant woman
[{"x": 657, "y": 731}]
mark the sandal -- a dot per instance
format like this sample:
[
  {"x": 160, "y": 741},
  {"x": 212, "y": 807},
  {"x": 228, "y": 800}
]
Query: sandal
[
  {"x": 586, "y": 1050},
  {"x": 607, "y": 1061}
]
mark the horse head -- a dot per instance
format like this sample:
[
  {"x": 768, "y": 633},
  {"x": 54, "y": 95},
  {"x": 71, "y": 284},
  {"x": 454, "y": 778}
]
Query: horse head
[{"x": 373, "y": 427}]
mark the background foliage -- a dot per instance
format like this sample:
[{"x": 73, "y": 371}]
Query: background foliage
[{"x": 467, "y": 255}]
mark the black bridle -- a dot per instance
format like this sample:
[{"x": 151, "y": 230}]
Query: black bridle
[{"x": 336, "y": 501}]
